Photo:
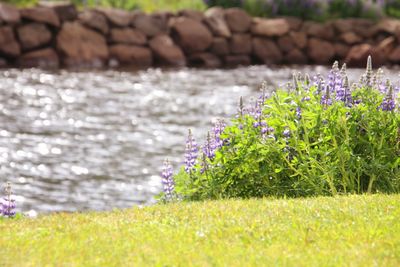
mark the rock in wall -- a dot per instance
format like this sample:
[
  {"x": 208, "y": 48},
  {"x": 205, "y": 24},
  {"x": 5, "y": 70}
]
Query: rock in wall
[{"x": 58, "y": 35}]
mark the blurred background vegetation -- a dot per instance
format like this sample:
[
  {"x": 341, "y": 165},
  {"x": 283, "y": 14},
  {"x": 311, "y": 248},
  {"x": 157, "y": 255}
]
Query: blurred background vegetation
[
  {"x": 308, "y": 9},
  {"x": 145, "y": 5}
]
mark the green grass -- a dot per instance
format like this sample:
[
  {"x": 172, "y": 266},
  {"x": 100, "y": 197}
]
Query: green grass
[{"x": 323, "y": 231}]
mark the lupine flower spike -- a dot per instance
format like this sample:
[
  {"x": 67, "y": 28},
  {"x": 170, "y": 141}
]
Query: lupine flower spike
[
  {"x": 241, "y": 107},
  {"x": 388, "y": 103},
  {"x": 218, "y": 129},
  {"x": 8, "y": 204},
  {"x": 209, "y": 147},
  {"x": 295, "y": 82},
  {"x": 347, "y": 91},
  {"x": 343, "y": 70},
  {"x": 167, "y": 180},
  {"x": 307, "y": 80},
  {"x": 204, "y": 163},
  {"x": 326, "y": 98},
  {"x": 368, "y": 72},
  {"x": 190, "y": 153}
]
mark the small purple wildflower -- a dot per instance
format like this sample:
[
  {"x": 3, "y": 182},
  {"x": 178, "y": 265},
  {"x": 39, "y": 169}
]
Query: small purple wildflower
[
  {"x": 267, "y": 132},
  {"x": 264, "y": 130},
  {"x": 286, "y": 133},
  {"x": 259, "y": 124},
  {"x": 298, "y": 113},
  {"x": 168, "y": 180},
  {"x": 191, "y": 152},
  {"x": 8, "y": 203}
]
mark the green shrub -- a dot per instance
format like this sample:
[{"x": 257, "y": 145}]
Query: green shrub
[
  {"x": 393, "y": 8},
  {"x": 356, "y": 8},
  {"x": 313, "y": 139},
  {"x": 314, "y": 9}
]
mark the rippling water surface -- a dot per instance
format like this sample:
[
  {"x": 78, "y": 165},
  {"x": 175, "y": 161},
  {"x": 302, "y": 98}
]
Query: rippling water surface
[{"x": 96, "y": 140}]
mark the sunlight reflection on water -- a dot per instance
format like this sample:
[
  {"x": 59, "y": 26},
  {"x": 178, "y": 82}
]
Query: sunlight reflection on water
[{"x": 96, "y": 140}]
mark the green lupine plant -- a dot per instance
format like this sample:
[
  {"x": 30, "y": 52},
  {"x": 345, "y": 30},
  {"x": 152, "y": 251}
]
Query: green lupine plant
[{"x": 317, "y": 138}]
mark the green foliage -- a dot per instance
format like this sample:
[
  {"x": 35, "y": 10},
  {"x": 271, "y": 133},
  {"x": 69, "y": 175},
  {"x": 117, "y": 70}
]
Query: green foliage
[
  {"x": 355, "y": 8},
  {"x": 145, "y": 5},
  {"x": 315, "y": 10},
  {"x": 393, "y": 8},
  {"x": 325, "y": 231},
  {"x": 21, "y": 3},
  {"x": 332, "y": 149},
  {"x": 224, "y": 3}
]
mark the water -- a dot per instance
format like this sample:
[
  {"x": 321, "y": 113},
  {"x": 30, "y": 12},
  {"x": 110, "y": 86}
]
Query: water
[{"x": 96, "y": 140}]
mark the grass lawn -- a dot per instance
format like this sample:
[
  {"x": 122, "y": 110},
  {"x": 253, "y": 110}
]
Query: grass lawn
[{"x": 324, "y": 231}]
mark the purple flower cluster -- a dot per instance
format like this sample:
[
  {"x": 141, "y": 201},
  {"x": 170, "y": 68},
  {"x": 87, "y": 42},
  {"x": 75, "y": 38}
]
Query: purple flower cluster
[
  {"x": 167, "y": 180},
  {"x": 191, "y": 152},
  {"x": 388, "y": 103},
  {"x": 337, "y": 88},
  {"x": 214, "y": 140},
  {"x": 7, "y": 204},
  {"x": 218, "y": 129}
]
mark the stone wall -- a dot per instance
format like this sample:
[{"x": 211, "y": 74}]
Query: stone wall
[{"x": 60, "y": 36}]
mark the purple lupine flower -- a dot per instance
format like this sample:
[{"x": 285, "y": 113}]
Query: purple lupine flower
[
  {"x": 209, "y": 147},
  {"x": 203, "y": 163},
  {"x": 382, "y": 88},
  {"x": 298, "y": 113},
  {"x": 191, "y": 152},
  {"x": 343, "y": 70},
  {"x": 168, "y": 180},
  {"x": 317, "y": 79},
  {"x": 256, "y": 111},
  {"x": 267, "y": 132},
  {"x": 286, "y": 133},
  {"x": 325, "y": 98},
  {"x": 342, "y": 89},
  {"x": 259, "y": 124},
  {"x": 333, "y": 76},
  {"x": 218, "y": 129},
  {"x": 388, "y": 103},
  {"x": 264, "y": 130},
  {"x": 367, "y": 77},
  {"x": 8, "y": 203},
  {"x": 340, "y": 94},
  {"x": 348, "y": 98}
]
